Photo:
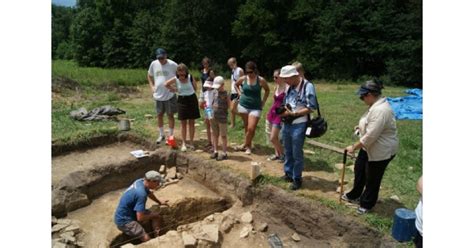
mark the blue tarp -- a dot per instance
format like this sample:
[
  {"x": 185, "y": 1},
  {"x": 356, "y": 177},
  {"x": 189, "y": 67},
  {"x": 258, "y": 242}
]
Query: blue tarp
[{"x": 408, "y": 107}]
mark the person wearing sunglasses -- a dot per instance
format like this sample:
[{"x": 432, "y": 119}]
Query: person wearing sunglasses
[
  {"x": 273, "y": 123},
  {"x": 249, "y": 88},
  {"x": 378, "y": 144},
  {"x": 160, "y": 70},
  {"x": 207, "y": 77},
  {"x": 188, "y": 110},
  {"x": 237, "y": 72}
]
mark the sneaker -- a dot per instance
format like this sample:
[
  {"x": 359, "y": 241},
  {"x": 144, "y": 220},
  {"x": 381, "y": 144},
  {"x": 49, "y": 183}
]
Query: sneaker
[
  {"x": 222, "y": 157},
  {"x": 248, "y": 151},
  {"x": 191, "y": 147},
  {"x": 273, "y": 157},
  {"x": 296, "y": 185},
  {"x": 160, "y": 139},
  {"x": 286, "y": 178},
  {"x": 214, "y": 155},
  {"x": 209, "y": 147},
  {"x": 347, "y": 199},
  {"x": 239, "y": 148},
  {"x": 281, "y": 159},
  {"x": 183, "y": 148},
  {"x": 362, "y": 210}
]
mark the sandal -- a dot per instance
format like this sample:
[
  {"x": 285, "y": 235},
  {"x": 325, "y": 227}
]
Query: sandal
[{"x": 273, "y": 157}]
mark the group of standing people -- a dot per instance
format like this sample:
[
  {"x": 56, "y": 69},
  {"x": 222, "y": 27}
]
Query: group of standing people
[{"x": 294, "y": 100}]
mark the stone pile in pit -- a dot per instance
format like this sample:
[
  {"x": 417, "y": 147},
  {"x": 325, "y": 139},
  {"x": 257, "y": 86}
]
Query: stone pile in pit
[
  {"x": 206, "y": 233},
  {"x": 66, "y": 233},
  {"x": 170, "y": 175}
]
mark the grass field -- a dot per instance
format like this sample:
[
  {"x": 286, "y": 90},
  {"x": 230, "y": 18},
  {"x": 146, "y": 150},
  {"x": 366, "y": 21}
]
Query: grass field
[{"x": 128, "y": 89}]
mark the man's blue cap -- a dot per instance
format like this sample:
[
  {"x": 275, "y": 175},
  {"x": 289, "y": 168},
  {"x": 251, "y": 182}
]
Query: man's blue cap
[
  {"x": 369, "y": 86},
  {"x": 160, "y": 53},
  {"x": 362, "y": 91}
]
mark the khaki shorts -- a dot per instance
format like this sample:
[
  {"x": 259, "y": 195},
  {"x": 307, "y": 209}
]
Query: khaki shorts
[
  {"x": 169, "y": 107},
  {"x": 218, "y": 128},
  {"x": 132, "y": 229}
]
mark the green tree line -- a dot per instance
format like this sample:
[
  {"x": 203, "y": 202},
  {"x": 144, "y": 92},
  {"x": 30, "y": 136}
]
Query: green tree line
[{"x": 334, "y": 39}]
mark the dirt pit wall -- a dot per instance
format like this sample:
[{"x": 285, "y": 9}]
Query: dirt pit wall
[{"x": 308, "y": 218}]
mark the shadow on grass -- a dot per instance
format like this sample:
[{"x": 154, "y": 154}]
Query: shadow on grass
[
  {"x": 316, "y": 183},
  {"x": 317, "y": 165},
  {"x": 386, "y": 207},
  {"x": 262, "y": 150}
]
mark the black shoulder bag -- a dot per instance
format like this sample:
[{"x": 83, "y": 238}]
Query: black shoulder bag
[{"x": 315, "y": 127}]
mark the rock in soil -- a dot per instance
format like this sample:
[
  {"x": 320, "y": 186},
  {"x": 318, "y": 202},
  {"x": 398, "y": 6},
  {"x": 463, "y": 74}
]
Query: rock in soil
[
  {"x": 339, "y": 166},
  {"x": 171, "y": 173},
  {"x": 73, "y": 228},
  {"x": 54, "y": 220},
  {"x": 162, "y": 169},
  {"x": 227, "y": 224},
  {"x": 59, "y": 245},
  {"x": 245, "y": 232},
  {"x": 58, "y": 227},
  {"x": 68, "y": 237},
  {"x": 64, "y": 221},
  {"x": 210, "y": 218},
  {"x": 296, "y": 237},
  {"x": 204, "y": 244},
  {"x": 395, "y": 198},
  {"x": 209, "y": 233},
  {"x": 246, "y": 217},
  {"x": 263, "y": 227},
  {"x": 189, "y": 240},
  {"x": 80, "y": 244}
]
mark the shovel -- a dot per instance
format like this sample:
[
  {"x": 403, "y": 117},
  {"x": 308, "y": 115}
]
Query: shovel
[{"x": 341, "y": 184}]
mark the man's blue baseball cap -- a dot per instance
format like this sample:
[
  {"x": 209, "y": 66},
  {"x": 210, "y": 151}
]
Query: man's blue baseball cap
[
  {"x": 368, "y": 87},
  {"x": 160, "y": 53}
]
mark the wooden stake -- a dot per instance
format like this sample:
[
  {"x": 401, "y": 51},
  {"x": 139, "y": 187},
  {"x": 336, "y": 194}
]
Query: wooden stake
[{"x": 344, "y": 159}]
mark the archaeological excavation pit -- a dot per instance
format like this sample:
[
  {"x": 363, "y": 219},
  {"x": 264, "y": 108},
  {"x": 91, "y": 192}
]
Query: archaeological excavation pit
[{"x": 210, "y": 206}]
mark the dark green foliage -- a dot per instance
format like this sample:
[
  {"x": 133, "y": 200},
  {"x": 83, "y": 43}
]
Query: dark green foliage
[
  {"x": 61, "y": 19},
  {"x": 335, "y": 40}
]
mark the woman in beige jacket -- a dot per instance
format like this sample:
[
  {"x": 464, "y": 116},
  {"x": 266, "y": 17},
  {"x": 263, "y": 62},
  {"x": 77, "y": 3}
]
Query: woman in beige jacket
[{"x": 378, "y": 145}]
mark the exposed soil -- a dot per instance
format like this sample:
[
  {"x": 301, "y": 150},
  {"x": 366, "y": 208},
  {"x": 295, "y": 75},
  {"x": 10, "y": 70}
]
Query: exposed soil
[
  {"x": 100, "y": 174},
  {"x": 85, "y": 160}
]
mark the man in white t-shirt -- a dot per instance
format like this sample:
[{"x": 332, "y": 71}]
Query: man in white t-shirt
[
  {"x": 237, "y": 72},
  {"x": 159, "y": 72}
]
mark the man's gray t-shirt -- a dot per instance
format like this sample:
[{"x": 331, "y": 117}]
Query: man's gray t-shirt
[{"x": 161, "y": 73}]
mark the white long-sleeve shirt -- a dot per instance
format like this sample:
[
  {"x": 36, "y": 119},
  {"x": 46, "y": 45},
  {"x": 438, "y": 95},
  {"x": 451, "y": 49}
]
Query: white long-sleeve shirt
[{"x": 378, "y": 131}]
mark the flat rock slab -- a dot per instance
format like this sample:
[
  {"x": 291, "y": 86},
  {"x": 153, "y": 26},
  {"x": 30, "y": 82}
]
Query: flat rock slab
[
  {"x": 116, "y": 153},
  {"x": 171, "y": 239}
]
